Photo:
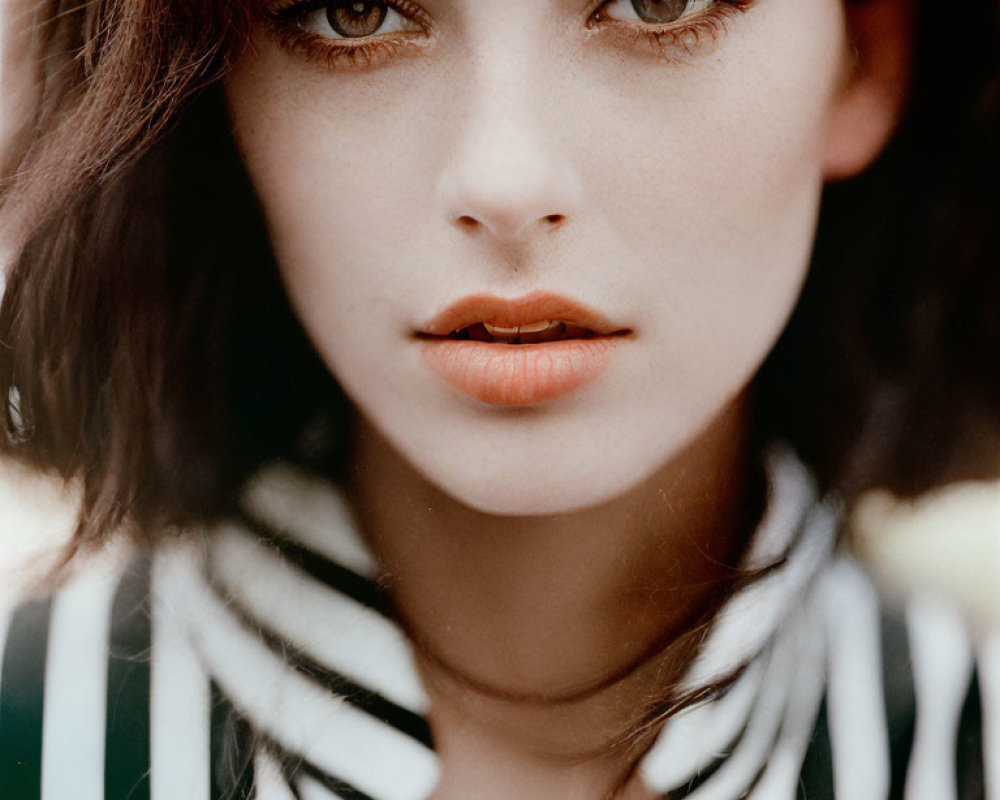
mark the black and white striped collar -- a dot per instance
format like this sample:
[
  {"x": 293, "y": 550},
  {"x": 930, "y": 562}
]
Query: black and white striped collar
[{"x": 284, "y": 608}]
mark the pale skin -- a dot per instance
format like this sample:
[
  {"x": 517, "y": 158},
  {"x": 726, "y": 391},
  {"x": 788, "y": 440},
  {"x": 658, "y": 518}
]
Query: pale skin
[{"x": 539, "y": 553}]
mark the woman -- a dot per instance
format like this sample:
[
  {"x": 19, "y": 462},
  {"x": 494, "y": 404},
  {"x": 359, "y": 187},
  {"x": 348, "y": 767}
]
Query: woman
[{"x": 544, "y": 248}]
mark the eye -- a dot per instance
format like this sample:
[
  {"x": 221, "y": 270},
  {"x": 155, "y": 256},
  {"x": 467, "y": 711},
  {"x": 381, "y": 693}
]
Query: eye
[
  {"x": 354, "y": 19},
  {"x": 654, "y": 11},
  {"x": 350, "y": 34}
]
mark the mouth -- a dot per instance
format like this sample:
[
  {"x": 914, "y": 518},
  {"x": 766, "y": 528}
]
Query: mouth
[
  {"x": 519, "y": 352},
  {"x": 539, "y": 332},
  {"x": 535, "y": 318}
]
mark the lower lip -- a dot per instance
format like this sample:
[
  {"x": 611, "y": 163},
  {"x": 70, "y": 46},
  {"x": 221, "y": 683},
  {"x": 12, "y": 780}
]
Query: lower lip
[{"x": 518, "y": 375}]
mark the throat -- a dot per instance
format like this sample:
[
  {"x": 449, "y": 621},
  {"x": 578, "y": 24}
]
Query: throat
[
  {"x": 587, "y": 747},
  {"x": 479, "y": 762},
  {"x": 553, "y": 641}
]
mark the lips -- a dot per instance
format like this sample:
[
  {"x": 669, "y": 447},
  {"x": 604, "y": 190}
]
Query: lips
[
  {"x": 518, "y": 352},
  {"x": 519, "y": 312}
]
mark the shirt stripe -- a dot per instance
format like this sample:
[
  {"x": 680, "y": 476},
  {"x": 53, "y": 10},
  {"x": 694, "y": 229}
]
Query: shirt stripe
[
  {"x": 76, "y": 689},
  {"x": 942, "y": 669},
  {"x": 989, "y": 677},
  {"x": 327, "y": 572},
  {"x": 22, "y": 697},
  {"x": 732, "y": 642},
  {"x": 816, "y": 777},
  {"x": 969, "y": 774},
  {"x": 361, "y": 697},
  {"x": 311, "y": 512},
  {"x": 8, "y": 603},
  {"x": 312, "y": 784},
  {"x": 700, "y": 735},
  {"x": 784, "y": 764},
  {"x": 232, "y": 750},
  {"x": 343, "y": 635},
  {"x": 855, "y": 702},
  {"x": 127, "y": 743},
  {"x": 900, "y": 699},
  {"x": 271, "y": 781},
  {"x": 179, "y": 709},
  {"x": 737, "y": 775},
  {"x": 304, "y": 719}
]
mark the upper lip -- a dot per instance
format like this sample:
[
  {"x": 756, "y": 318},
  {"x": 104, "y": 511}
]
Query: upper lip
[{"x": 513, "y": 312}]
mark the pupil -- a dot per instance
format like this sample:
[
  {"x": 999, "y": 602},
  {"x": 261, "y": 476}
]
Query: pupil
[
  {"x": 356, "y": 19},
  {"x": 660, "y": 10}
]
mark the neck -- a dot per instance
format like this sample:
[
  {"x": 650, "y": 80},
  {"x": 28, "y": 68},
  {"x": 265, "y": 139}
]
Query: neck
[{"x": 553, "y": 633}]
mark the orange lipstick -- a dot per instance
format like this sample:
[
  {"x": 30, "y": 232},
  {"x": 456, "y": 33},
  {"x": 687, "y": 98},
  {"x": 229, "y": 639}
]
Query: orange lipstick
[{"x": 519, "y": 352}]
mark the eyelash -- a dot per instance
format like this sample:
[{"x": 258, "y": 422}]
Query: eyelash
[
  {"x": 664, "y": 42},
  {"x": 364, "y": 52},
  {"x": 686, "y": 36}
]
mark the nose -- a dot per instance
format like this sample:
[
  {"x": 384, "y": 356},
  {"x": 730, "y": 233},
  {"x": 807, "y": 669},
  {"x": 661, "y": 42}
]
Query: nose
[{"x": 507, "y": 176}]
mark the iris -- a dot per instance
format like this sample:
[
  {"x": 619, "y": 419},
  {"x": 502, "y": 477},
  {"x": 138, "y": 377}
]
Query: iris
[
  {"x": 660, "y": 10},
  {"x": 356, "y": 19}
]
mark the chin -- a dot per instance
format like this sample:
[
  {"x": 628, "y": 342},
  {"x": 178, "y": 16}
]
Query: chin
[
  {"x": 525, "y": 494},
  {"x": 536, "y": 462},
  {"x": 535, "y": 479}
]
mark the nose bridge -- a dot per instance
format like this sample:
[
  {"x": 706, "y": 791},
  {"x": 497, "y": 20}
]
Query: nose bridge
[{"x": 507, "y": 173}]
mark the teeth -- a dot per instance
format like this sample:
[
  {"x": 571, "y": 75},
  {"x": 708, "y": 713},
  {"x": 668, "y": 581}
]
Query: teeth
[
  {"x": 534, "y": 327},
  {"x": 494, "y": 330}
]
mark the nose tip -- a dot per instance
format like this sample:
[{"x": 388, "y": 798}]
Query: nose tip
[
  {"x": 514, "y": 197},
  {"x": 505, "y": 178}
]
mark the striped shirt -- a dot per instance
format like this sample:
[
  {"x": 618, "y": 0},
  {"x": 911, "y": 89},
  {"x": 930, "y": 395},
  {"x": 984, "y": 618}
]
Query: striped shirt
[{"x": 262, "y": 659}]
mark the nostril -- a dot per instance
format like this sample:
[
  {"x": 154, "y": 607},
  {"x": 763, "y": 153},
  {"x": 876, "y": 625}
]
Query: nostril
[{"x": 506, "y": 229}]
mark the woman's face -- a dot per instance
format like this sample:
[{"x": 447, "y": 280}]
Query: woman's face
[{"x": 654, "y": 165}]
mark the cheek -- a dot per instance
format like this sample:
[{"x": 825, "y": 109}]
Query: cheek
[
  {"x": 731, "y": 156},
  {"x": 331, "y": 197},
  {"x": 345, "y": 167},
  {"x": 717, "y": 182}
]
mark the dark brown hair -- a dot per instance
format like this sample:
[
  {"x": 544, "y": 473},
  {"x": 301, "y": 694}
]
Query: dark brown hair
[
  {"x": 148, "y": 347},
  {"x": 886, "y": 375}
]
